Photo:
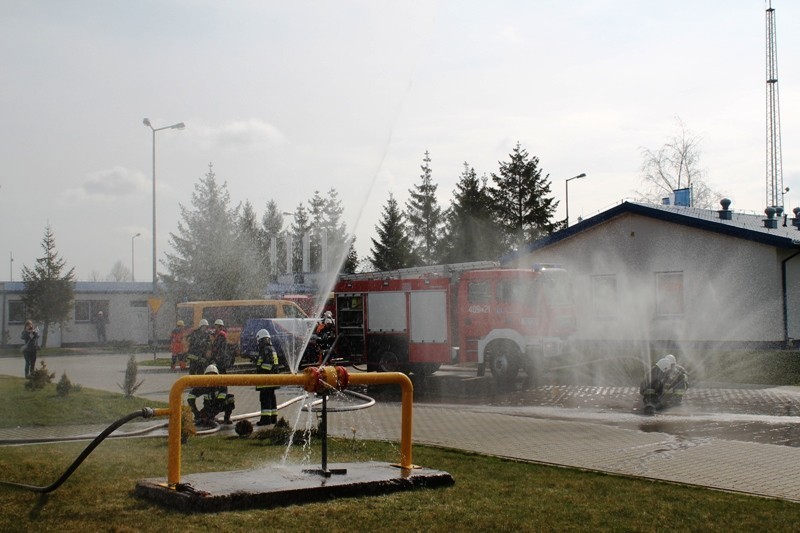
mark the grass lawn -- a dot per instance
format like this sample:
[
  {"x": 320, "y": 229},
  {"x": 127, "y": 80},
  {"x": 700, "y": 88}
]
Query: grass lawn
[{"x": 490, "y": 494}]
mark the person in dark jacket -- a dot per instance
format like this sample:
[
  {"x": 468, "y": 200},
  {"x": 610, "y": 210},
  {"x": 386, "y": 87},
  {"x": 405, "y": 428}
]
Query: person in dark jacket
[
  {"x": 216, "y": 400},
  {"x": 30, "y": 346},
  {"x": 199, "y": 344},
  {"x": 267, "y": 363}
]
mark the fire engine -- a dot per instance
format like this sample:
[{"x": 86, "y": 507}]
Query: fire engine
[{"x": 416, "y": 319}]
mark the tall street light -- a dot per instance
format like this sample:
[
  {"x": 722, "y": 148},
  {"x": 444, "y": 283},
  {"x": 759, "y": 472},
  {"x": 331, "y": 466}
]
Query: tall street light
[
  {"x": 133, "y": 276},
  {"x": 178, "y": 126},
  {"x": 581, "y": 175}
]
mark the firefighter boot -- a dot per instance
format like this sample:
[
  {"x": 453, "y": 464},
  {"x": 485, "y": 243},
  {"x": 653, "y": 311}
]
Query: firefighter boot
[
  {"x": 227, "y": 419},
  {"x": 263, "y": 421}
]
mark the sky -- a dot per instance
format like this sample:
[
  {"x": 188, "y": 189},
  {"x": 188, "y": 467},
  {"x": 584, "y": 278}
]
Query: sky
[{"x": 289, "y": 98}]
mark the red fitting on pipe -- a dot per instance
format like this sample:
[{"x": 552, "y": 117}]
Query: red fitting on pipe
[
  {"x": 342, "y": 378},
  {"x": 313, "y": 383}
]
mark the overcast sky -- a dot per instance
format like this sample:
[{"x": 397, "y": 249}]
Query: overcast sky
[{"x": 286, "y": 98}]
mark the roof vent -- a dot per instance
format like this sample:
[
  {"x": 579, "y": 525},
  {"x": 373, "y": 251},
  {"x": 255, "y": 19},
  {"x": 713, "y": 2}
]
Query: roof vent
[
  {"x": 725, "y": 212},
  {"x": 770, "y": 222},
  {"x": 796, "y": 219}
]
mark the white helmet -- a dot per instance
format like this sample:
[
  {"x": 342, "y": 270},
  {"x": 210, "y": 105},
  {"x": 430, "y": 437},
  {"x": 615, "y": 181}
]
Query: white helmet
[
  {"x": 204, "y": 322},
  {"x": 327, "y": 314},
  {"x": 262, "y": 333},
  {"x": 211, "y": 369},
  {"x": 219, "y": 322},
  {"x": 671, "y": 359},
  {"x": 663, "y": 364}
]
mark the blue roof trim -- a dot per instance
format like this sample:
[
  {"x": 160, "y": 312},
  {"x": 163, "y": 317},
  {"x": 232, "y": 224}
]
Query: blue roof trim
[{"x": 741, "y": 226}]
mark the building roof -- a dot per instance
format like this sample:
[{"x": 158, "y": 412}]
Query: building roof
[{"x": 746, "y": 226}]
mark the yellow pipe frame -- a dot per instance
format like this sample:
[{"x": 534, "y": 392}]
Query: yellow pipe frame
[{"x": 311, "y": 380}]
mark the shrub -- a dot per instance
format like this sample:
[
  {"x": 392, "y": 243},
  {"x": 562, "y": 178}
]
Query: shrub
[
  {"x": 64, "y": 386},
  {"x": 129, "y": 386},
  {"x": 39, "y": 378}
]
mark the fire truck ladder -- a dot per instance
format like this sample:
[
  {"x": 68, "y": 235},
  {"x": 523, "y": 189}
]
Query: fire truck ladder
[{"x": 415, "y": 272}]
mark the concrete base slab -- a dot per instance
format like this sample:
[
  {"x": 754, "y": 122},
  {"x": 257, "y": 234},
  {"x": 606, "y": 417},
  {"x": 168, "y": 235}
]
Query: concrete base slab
[{"x": 286, "y": 485}]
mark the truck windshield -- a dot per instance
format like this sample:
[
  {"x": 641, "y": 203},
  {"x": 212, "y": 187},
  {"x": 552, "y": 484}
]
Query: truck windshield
[{"x": 518, "y": 291}]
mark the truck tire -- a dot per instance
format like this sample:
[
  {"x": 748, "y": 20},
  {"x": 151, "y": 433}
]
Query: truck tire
[
  {"x": 424, "y": 369},
  {"x": 389, "y": 362},
  {"x": 503, "y": 358}
]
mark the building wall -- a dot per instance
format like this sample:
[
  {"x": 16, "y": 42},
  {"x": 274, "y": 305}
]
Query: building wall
[
  {"x": 127, "y": 317},
  {"x": 731, "y": 287}
]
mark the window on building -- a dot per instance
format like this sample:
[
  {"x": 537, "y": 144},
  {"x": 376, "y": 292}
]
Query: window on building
[
  {"x": 669, "y": 294},
  {"x": 16, "y": 312},
  {"x": 87, "y": 310},
  {"x": 604, "y": 295}
]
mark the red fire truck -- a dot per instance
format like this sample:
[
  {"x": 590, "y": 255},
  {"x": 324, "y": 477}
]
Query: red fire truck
[{"x": 416, "y": 319}]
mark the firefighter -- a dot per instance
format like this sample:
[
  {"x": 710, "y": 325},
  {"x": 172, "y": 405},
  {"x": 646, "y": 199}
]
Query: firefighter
[
  {"x": 219, "y": 346},
  {"x": 325, "y": 334},
  {"x": 215, "y": 400},
  {"x": 267, "y": 363},
  {"x": 199, "y": 344},
  {"x": 665, "y": 385},
  {"x": 177, "y": 346}
]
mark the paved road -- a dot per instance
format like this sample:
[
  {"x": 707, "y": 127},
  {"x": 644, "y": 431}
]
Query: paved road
[{"x": 584, "y": 427}]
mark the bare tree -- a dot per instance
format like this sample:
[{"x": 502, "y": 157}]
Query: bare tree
[
  {"x": 119, "y": 272},
  {"x": 676, "y": 165}
]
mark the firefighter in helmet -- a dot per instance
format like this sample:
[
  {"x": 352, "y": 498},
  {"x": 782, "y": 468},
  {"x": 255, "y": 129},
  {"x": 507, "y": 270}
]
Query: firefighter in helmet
[
  {"x": 665, "y": 385},
  {"x": 177, "y": 346},
  {"x": 216, "y": 400},
  {"x": 267, "y": 363},
  {"x": 199, "y": 344},
  {"x": 219, "y": 346}
]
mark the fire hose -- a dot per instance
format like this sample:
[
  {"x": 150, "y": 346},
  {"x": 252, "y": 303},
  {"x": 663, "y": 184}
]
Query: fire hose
[{"x": 145, "y": 412}]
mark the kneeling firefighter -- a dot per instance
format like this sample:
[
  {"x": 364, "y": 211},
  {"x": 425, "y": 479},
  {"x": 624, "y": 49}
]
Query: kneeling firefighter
[
  {"x": 665, "y": 386},
  {"x": 267, "y": 363},
  {"x": 215, "y": 400}
]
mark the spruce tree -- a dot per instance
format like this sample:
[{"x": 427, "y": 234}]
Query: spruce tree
[
  {"x": 471, "y": 232},
  {"x": 205, "y": 263},
  {"x": 519, "y": 194},
  {"x": 424, "y": 217},
  {"x": 49, "y": 290},
  {"x": 393, "y": 249}
]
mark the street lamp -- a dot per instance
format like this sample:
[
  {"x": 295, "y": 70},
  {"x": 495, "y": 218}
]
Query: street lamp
[
  {"x": 133, "y": 276},
  {"x": 178, "y": 126},
  {"x": 581, "y": 175}
]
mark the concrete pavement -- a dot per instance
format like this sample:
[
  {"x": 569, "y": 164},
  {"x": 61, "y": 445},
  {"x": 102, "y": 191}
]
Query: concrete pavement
[{"x": 747, "y": 467}]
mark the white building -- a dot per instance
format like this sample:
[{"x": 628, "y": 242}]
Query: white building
[
  {"x": 680, "y": 275},
  {"x": 125, "y": 307}
]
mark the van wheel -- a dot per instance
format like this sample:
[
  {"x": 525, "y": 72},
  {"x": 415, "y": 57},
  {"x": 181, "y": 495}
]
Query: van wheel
[{"x": 503, "y": 358}]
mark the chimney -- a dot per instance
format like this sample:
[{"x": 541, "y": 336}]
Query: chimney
[
  {"x": 770, "y": 222},
  {"x": 725, "y": 213},
  {"x": 796, "y": 219}
]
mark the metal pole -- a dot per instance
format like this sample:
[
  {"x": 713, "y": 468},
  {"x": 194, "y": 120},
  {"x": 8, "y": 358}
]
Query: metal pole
[
  {"x": 133, "y": 263},
  {"x": 566, "y": 197}
]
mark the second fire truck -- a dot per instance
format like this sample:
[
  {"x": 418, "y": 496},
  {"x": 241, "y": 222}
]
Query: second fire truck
[{"x": 416, "y": 319}]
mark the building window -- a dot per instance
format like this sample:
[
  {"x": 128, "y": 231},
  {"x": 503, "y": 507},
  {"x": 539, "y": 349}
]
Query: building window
[
  {"x": 16, "y": 312},
  {"x": 669, "y": 294},
  {"x": 87, "y": 310},
  {"x": 604, "y": 295}
]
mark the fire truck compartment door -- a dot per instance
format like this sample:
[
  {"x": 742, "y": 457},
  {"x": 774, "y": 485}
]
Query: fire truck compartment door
[
  {"x": 428, "y": 316},
  {"x": 386, "y": 311}
]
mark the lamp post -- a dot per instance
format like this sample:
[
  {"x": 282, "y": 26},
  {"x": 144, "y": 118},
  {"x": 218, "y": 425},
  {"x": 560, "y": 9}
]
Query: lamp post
[
  {"x": 133, "y": 264},
  {"x": 178, "y": 126},
  {"x": 566, "y": 203}
]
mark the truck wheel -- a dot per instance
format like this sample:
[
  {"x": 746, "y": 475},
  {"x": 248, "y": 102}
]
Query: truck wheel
[
  {"x": 424, "y": 369},
  {"x": 503, "y": 359},
  {"x": 389, "y": 362}
]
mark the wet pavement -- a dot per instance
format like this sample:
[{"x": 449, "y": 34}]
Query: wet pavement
[{"x": 734, "y": 438}]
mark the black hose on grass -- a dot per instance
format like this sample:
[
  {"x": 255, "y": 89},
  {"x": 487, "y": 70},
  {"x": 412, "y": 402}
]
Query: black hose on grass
[{"x": 145, "y": 412}]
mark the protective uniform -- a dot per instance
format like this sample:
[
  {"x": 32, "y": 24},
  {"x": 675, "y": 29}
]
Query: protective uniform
[
  {"x": 215, "y": 400},
  {"x": 219, "y": 347},
  {"x": 199, "y": 344},
  {"x": 267, "y": 363},
  {"x": 665, "y": 386},
  {"x": 325, "y": 334},
  {"x": 176, "y": 345}
]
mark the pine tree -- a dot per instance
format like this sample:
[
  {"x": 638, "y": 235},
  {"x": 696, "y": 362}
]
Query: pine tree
[
  {"x": 205, "y": 264},
  {"x": 471, "y": 232},
  {"x": 251, "y": 252},
  {"x": 272, "y": 227},
  {"x": 301, "y": 226},
  {"x": 393, "y": 249},
  {"x": 49, "y": 291},
  {"x": 424, "y": 217},
  {"x": 519, "y": 195}
]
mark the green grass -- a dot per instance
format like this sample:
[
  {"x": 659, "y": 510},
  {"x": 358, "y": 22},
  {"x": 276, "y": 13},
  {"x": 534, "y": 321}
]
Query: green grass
[
  {"x": 490, "y": 494},
  {"x": 45, "y": 408}
]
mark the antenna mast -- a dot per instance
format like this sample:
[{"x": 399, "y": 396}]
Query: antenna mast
[{"x": 775, "y": 190}]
